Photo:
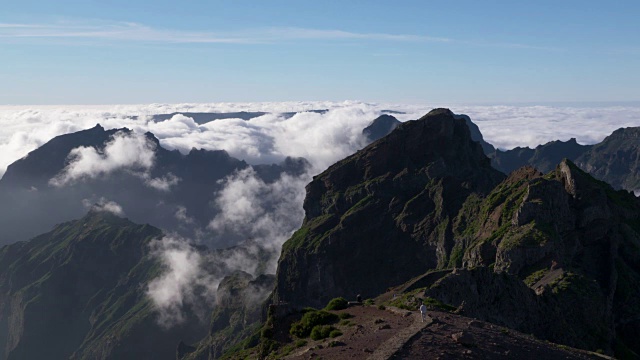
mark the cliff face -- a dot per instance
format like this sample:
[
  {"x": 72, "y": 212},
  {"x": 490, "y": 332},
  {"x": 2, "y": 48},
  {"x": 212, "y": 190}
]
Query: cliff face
[
  {"x": 556, "y": 254},
  {"x": 384, "y": 214},
  {"x": 236, "y": 318},
  {"x": 616, "y": 159}
]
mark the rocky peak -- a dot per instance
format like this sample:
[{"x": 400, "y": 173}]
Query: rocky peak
[
  {"x": 412, "y": 182},
  {"x": 380, "y": 127}
]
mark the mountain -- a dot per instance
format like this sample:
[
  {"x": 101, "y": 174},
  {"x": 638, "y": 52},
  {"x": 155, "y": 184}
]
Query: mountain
[
  {"x": 616, "y": 159},
  {"x": 554, "y": 255},
  {"x": 78, "y": 292},
  {"x": 544, "y": 157},
  {"x": 379, "y": 127},
  {"x": 174, "y": 190},
  {"x": 476, "y": 135},
  {"x": 236, "y": 318},
  {"x": 205, "y": 117},
  {"x": 397, "y": 198},
  {"x": 422, "y": 211}
]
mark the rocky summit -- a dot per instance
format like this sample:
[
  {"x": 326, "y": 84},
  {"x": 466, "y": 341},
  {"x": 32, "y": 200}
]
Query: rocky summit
[
  {"x": 422, "y": 212},
  {"x": 386, "y": 213}
]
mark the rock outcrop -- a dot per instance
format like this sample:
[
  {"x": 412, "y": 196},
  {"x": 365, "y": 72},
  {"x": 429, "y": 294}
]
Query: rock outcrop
[
  {"x": 384, "y": 214},
  {"x": 616, "y": 159},
  {"x": 380, "y": 127},
  {"x": 564, "y": 258},
  {"x": 556, "y": 254}
]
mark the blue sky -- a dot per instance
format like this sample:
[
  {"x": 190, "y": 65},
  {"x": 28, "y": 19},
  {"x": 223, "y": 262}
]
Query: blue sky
[{"x": 108, "y": 52}]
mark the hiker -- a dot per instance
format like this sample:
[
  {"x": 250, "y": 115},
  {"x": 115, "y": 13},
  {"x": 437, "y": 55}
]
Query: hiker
[
  {"x": 359, "y": 298},
  {"x": 423, "y": 312}
]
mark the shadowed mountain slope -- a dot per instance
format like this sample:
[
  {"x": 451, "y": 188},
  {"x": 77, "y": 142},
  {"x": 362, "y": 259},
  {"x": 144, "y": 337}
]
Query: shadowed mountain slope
[
  {"x": 176, "y": 192},
  {"x": 556, "y": 255},
  {"x": 384, "y": 214},
  {"x": 78, "y": 291}
]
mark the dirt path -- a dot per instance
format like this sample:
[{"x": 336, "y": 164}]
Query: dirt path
[{"x": 394, "y": 344}]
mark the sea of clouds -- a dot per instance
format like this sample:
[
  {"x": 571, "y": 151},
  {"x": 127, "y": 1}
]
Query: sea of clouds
[{"x": 246, "y": 203}]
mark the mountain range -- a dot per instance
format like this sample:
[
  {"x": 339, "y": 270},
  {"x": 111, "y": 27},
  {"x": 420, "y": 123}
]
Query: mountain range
[
  {"x": 544, "y": 241},
  {"x": 166, "y": 188}
]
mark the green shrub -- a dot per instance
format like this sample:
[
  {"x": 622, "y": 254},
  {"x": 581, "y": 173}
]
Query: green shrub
[
  {"x": 308, "y": 309},
  {"x": 369, "y": 302},
  {"x": 303, "y": 328},
  {"x": 335, "y": 333},
  {"x": 300, "y": 343},
  {"x": 320, "y": 332},
  {"x": 338, "y": 303},
  {"x": 345, "y": 316},
  {"x": 382, "y": 307}
]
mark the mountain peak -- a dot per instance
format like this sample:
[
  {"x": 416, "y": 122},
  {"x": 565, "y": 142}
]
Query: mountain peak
[{"x": 421, "y": 172}]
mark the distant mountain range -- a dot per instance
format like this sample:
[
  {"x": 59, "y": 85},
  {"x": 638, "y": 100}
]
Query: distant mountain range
[
  {"x": 615, "y": 160},
  {"x": 176, "y": 191}
]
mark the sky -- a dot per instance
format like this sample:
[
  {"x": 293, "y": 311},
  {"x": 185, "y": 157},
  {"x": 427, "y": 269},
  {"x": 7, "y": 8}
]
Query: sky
[{"x": 408, "y": 51}]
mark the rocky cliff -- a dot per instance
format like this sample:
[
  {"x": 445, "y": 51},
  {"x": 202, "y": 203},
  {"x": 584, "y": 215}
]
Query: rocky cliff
[
  {"x": 556, "y": 255},
  {"x": 384, "y": 214},
  {"x": 616, "y": 159},
  {"x": 564, "y": 255}
]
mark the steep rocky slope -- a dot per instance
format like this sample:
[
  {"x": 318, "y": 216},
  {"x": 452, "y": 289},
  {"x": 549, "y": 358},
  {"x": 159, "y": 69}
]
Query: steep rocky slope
[
  {"x": 78, "y": 291},
  {"x": 567, "y": 248},
  {"x": 236, "y": 318},
  {"x": 556, "y": 255},
  {"x": 380, "y": 127},
  {"x": 544, "y": 157},
  {"x": 384, "y": 214},
  {"x": 616, "y": 159}
]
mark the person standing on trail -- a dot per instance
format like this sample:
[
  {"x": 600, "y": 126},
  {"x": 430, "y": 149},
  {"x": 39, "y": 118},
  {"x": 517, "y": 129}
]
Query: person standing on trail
[{"x": 423, "y": 312}]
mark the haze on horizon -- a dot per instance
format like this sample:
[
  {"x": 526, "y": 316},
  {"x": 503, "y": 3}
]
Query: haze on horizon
[{"x": 117, "y": 52}]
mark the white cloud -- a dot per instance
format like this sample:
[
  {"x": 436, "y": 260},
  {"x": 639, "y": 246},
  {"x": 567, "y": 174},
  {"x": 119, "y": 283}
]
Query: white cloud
[
  {"x": 181, "y": 215},
  {"x": 177, "y": 286},
  {"x": 135, "y": 32},
  {"x": 266, "y": 213},
  {"x": 124, "y": 151},
  {"x": 104, "y": 205},
  {"x": 163, "y": 183}
]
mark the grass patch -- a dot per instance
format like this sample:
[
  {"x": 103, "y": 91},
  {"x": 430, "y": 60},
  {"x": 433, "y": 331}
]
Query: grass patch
[
  {"x": 320, "y": 332},
  {"x": 310, "y": 320},
  {"x": 338, "y": 303}
]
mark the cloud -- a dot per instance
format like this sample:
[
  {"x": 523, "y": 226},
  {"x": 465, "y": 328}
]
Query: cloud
[
  {"x": 182, "y": 282},
  {"x": 163, "y": 183},
  {"x": 123, "y": 151},
  {"x": 181, "y": 215},
  {"x": 263, "y": 214},
  {"x": 104, "y": 205},
  {"x": 135, "y": 32},
  {"x": 266, "y": 213}
]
